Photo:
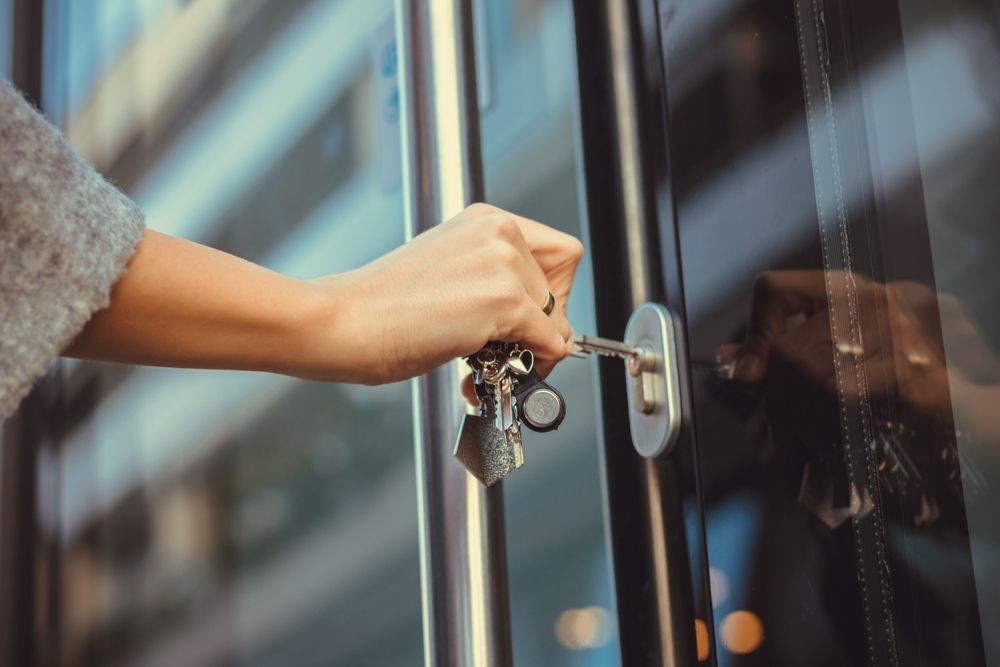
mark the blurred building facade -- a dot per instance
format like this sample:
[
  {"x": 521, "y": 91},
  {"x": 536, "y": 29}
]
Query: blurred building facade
[
  {"x": 834, "y": 162},
  {"x": 210, "y": 518}
]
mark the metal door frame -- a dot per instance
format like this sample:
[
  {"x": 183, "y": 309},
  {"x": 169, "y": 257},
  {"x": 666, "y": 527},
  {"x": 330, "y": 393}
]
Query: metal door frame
[
  {"x": 464, "y": 598},
  {"x": 28, "y": 613},
  {"x": 654, "y": 509},
  {"x": 655, "y": 516}
]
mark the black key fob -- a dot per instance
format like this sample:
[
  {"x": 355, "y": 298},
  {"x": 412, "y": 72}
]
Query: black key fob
[{"x": 539, "y": 405}]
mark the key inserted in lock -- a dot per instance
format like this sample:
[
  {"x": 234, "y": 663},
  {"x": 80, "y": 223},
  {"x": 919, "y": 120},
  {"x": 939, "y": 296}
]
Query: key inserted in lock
[
  {"x": 640, "y": 363},
  {"x": 650, "y": 353}
]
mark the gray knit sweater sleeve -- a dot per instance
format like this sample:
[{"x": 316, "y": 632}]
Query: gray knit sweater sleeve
[{"x": 66, "y": 235}]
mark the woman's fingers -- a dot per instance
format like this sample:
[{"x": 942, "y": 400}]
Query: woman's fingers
[
  {"x": 532, "y": 276},
  {"x": 557, "y": 253},
  {"x": 523, "y": 272},
  {"x": 468, "y": 391},
  {"x": 558, "y": 318},
  {"x": 538, "y": 332},
  {"x": 777, "y": 295},
  {"x": 551, "y": 257}
]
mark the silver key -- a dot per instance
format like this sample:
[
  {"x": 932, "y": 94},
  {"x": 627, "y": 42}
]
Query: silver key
[
  {"x": 723, "y": 365},
  {"x": 489, "y": 444},
  {"x": 505, "y": 404},
  {"x": 638, "y": 361},
  {"x": 635, "y": 357},
  {"x": 519, "y": 362},
  {"x": 508, "y": 421},
  {"x": 585, "y": 345}
]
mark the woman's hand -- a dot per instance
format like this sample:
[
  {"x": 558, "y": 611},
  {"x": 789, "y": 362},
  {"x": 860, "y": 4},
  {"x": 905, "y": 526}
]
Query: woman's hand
[
  {"x": 483, "y": 275},
  {"x": 789, "y": 352}
]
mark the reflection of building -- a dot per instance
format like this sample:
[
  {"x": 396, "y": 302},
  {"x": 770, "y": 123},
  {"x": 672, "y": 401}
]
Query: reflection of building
[{"x": 210, "y": 517}]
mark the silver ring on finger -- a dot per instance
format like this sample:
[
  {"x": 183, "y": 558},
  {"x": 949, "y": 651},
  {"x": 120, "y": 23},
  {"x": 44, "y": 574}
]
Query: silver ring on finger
[{"x": 550, "y": 304}]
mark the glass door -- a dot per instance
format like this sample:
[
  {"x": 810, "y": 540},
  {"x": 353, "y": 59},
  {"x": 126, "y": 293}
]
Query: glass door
[
  {"x": 562, "y": 605},
  {"x": 210, "y": 518},
  {"x": 203, "y": 517},
  {"x": 833, "y": 200}
]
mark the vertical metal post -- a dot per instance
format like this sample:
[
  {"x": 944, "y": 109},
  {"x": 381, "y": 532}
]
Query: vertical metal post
[
  {"x": 22, "y": 617},
  {"x": 666, "y": 546},
  {"x": 462, "y": 549},
  {"x": 625, "y": 154},
  {"x": 636, "y": 225}
]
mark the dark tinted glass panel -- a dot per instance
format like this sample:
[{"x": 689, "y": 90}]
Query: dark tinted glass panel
[{"x": 834, "y": 168}]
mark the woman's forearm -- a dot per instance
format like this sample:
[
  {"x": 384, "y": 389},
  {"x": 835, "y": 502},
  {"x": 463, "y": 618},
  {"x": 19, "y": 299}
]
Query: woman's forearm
[
  {"x": 184, "y": 304},
  {"x": 481, "y": 276}
]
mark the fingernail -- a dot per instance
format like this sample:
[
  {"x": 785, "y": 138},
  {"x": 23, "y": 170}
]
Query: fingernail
[{"x": 748, "y": 367}]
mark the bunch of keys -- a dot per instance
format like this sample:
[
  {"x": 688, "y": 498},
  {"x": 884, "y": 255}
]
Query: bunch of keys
[{"x": 510, "y": 391}]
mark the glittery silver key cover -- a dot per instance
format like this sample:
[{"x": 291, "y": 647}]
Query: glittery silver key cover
[{"x": 484, "y": 450}]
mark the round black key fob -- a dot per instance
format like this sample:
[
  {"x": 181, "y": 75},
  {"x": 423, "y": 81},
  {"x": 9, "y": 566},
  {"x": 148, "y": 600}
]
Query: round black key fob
[{"x": 539, "y": 405}]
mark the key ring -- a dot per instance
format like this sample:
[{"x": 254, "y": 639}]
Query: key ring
[{"x": 550, "y": 304}]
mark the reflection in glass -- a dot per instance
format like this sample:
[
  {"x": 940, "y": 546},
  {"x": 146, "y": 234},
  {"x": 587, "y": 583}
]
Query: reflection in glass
[
  {"x": 221, "y": 518},
  {"x": 833, "y": 169},
  {"x": 562, "y": 612},
  {"x": 239, "y": 518}
]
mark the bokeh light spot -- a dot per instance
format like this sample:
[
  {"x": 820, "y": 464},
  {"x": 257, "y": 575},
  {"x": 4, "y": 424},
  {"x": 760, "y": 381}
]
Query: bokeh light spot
[
  {"x": 586, "y": 628},
  {"x": 719, "y": 584},
  {"x": 701, "y": 639},
  {"x": 741, "y": 632}
]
